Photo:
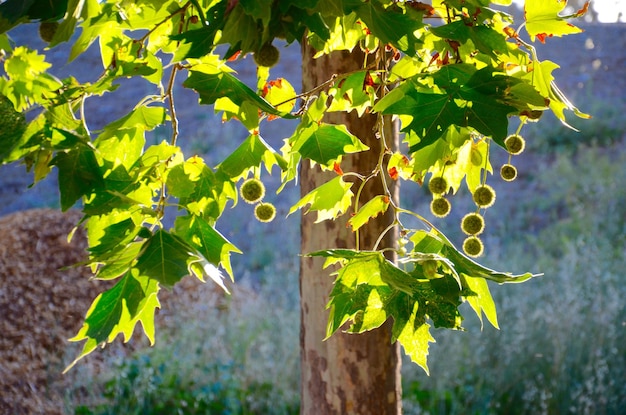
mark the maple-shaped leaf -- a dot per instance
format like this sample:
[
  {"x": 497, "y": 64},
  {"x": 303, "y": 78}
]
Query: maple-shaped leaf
[
  {"x": 369, "y": 290},
  {"x": 166, "y": 258},
  {"x": 207, "y": 240},
  {"x": 352, "y": 93},
  {"x": 432, "y": 115},
  {"x": 117, "y": 311},
  {"x": 543, "y": 19},
  {"x": 330, "y": 200},
  {"x": 212, "y": 86},
  {"x": 204, "y": 192},
  {"x": 250, "y": 154},
  {"x": 390, "y": 25},
  {"x": 326, "y": 143}
]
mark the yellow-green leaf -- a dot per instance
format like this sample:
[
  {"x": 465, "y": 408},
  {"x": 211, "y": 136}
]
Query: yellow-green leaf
[
  {"x": 330, "y": 200},
  {"x": 543, "y": 20},
  {"x": 371, "y": 209}
]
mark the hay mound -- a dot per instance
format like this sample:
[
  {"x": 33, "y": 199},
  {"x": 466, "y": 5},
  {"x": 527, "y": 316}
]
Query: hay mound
[{"x": 42, "y": 305}]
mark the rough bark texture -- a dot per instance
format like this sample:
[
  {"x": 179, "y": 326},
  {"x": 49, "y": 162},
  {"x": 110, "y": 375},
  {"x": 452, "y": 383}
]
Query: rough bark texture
[{"x": 346, "y": 374}]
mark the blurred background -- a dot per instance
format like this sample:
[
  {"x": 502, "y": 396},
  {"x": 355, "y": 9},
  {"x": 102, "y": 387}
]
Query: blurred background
[{"x": 561, "y": 348}]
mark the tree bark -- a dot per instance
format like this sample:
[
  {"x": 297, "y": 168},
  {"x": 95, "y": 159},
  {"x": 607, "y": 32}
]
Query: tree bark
[{"x": 348, "y": 373}]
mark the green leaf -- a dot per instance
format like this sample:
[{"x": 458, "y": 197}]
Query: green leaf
[
  {"x": 79, "y": 174},
  {"x": 120, "y": 190},
  {"x": 391, "y": 25},
  {"x": 211, "y": 191},
  {"x": 326, "y": 143},
  {"x": 143, "y": 117},
  {"x": 374, "y": 207},
  {"x": 330, "y": 200},
  {"x": 166, "y": 258},
  {"x": 432, "y": 115},
  {"x": 481, "y": 302},
  {"x": 211, "y": 86},
  {"x": 250, "y": 154},
  {"x": 106, "y": 233},
  {"x": 12, "y": 127},
  {"x": 484, "y": 38},
  {"x": 13, "y": 12},
  {"x": 464, "y": 265},
  {"x": 352, "y": 93},
  {"x": 414, "y": 336},
  {"x": 117, "y": 311},
  {"x": 369, "y": 289},
  {"x": 543, "y": 20},
  {"x": 207, "y": 240},
  {"x": 196, "y": 43},
  {"x": 240, "y": 29}
]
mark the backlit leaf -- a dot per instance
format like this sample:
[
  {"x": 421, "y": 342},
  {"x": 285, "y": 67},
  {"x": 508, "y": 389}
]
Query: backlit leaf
[
  {"x": 326, "y": 143},
  {"x": 165, "y": 258},
  {"x": 543, "y": 20},
  {"x": 117, "y": 311},
  {"x": 371, "y": 209},
  {"x": 79, "y": 174},
  {"x": 329, "y": 200}
]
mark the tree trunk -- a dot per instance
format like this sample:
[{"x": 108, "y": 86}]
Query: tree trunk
[{"x": 348, "y": 373}]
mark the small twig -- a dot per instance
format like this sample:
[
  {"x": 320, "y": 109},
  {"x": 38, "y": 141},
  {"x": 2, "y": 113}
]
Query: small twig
[{"x": 169, "y": 93}]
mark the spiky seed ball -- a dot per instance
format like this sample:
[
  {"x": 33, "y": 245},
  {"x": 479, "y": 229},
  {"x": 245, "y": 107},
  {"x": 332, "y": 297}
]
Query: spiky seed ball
[
  {"x": 264, "y": 212},
  {"x": 440, "y": 207},
  {"x": 267, "y": 55},
  {"x": 473, "y": 246},
  {"x": 515, "y": 144},
  {"x": 47, "y": 30},
  {"x": 252, "y": 190},
  {"x": 484, "y": 196},
  {"x": 473, "y": 224},
  {"x": 438, "y": 185},
  {"x": 508, "y": 172}
]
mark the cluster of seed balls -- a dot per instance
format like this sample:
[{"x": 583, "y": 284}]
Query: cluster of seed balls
[
  {"x": 473, "y": 224},
  {"x": 252, "y": 191}
]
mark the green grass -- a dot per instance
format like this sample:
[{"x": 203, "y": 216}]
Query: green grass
[{"x": 562, "y": 344}]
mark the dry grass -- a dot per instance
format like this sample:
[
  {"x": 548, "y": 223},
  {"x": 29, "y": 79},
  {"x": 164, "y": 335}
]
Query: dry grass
[{"x": 43, "y": 300}]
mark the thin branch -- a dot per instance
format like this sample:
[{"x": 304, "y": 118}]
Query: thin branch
[{"x": 169, "y": 93}]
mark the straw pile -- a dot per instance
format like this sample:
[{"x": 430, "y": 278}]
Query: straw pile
[{"x": 42, "y": 305}]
